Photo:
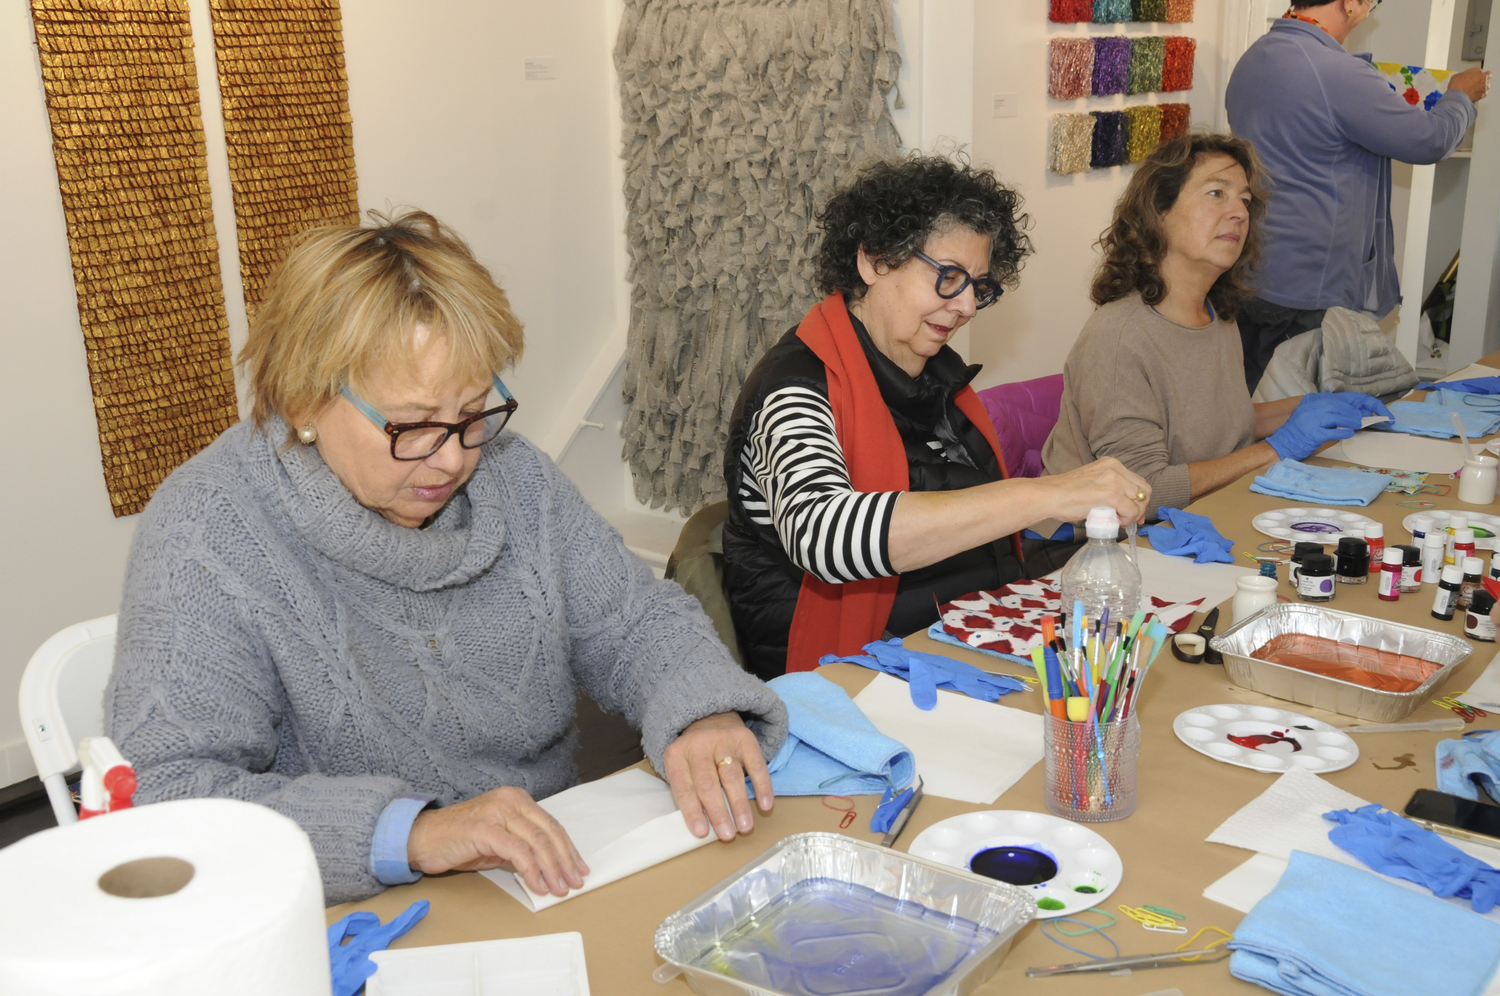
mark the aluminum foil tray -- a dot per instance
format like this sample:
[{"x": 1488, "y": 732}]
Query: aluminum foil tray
[
  {"x": 827, "y": 914},
  {"x": 1333, "y": 694}
]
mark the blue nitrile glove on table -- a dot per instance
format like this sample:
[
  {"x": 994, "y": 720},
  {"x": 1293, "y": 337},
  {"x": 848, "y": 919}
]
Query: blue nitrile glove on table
[
  {"x": 351, "y": 962},
  {"x": 1184, "y": 534},
  {"x": 1331, "y": 930},
  {"x": 1311, "y": 485},
  {"x": 1474, "y": 756},
  {"x": 1417, "y": 418},
  {"x": 830, "y": 746},
  {"x": 1322, "y": 418},
  {"x": 1395, "y": 846},
  {"x": 1474, "y": 385},
  {"x": 929, "y": 672}
]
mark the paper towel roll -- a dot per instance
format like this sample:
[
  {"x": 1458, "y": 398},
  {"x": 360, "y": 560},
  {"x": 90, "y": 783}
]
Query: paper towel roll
[{"x": 210, "y": 896}]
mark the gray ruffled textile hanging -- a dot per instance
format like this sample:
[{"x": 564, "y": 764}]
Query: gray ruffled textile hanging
[{"x": 740, "y": 118}]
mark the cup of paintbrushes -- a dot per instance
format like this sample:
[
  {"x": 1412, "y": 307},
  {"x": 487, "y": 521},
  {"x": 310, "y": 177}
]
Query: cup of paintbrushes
[{"x": 1090, "y": 767}]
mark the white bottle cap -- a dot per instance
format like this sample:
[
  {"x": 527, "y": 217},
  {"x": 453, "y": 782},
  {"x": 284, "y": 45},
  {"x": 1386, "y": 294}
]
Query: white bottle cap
[
  {"x": 1438, "y": 515},
  {"x": 1434, "y": 540},
  {"x": 1463, "y": 536},
  {"x": 1374, "y": 531},
  {"x": 1420, "y": 522},
  {"x": 1458, "y": 520},
  {"x": 1102, "y": 523},
  {"x": 1473, "y": 565},
  {"x": 1453, "y": 574},
  {"x": 1392, "y": 555}
]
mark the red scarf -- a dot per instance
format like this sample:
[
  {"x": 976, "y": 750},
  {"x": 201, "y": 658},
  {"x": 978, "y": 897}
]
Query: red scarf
[{"x": 842, "y": 618}]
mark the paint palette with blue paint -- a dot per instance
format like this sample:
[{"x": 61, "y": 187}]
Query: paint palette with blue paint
[{"x": 1065, "y": 866}]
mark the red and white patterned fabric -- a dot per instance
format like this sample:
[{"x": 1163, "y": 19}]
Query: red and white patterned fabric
[{"x": 1009, "y": 620}]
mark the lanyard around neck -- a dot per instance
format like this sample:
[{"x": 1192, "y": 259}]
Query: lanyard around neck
[{"x": 1303, "y": 17}]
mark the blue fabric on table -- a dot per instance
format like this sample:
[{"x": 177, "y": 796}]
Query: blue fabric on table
[
  {"x": 1464, "y": 401},
  {"x": 831, "y": 747},
  {"x": 929, "y": 672},
  {"x": 1331, "y": 930},
  {"x": 1184, "y": 534},
  {"x": 350, "y": 963},
  {"x": 1395, "y": 846},
  {"x": 1462, "y": 761},
  {"x": 1418, "y": 418},
  {"x": 1474, "y": 385},
  {"x": 1320, "y": 485},
  {"x": 941, "y": 635}
]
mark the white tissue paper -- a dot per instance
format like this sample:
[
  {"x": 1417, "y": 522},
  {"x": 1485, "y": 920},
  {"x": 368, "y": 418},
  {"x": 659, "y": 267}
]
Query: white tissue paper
[
  {"x": 1484, "y": 691},
  {"x": 965, "y": 749},
  {"x": 621, "y": 825}
]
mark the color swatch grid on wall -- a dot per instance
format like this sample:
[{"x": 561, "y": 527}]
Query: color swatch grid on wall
[
  {"x": 1097, "y": 67},
  {"x": 1098, "y": 139},
  {"x": 1119, "y": 11},
  {"x": 286, "y": 123},
  {"x": 127, "y": 136}
]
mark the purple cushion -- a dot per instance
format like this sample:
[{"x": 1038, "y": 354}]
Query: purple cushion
[{"x": 1024, "y": 413}]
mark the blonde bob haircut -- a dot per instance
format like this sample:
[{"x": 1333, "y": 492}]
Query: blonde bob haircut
[{"x": 347, "y": 301}]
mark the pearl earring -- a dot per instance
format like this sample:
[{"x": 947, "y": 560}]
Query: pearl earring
[{"x": 308, "y": 434}]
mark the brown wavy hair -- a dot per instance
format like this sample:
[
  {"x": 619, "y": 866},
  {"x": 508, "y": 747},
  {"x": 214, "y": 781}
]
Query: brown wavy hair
[{"x": 1135, "y": 241}]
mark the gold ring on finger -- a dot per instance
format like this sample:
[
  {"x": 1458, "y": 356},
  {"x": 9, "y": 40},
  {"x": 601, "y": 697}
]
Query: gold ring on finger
[
  {"x": 728, "y": 760},
  {"x": 1140, "y": 494}
]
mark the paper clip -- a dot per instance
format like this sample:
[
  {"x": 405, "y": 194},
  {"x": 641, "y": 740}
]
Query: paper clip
[
  {"x": 1165, "y": 930},
  {"x": 1165, "y": 912},
  {"x": 1467, "y": 713},
  {"x": 1148, "y": 919},
  {"x": 1224, "y": 939}
]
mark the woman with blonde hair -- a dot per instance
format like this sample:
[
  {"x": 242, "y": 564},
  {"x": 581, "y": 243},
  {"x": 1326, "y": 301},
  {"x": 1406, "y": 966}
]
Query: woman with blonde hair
[
  {"x": 370, "y": 608},
  {"x": 1156, "y": 378}
]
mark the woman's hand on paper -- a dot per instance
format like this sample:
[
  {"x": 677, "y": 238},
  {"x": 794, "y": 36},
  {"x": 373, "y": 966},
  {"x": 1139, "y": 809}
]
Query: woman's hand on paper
[
  {"x": 1106, "y": 481},
  {"x": 504, "y": 828},
  {"x": 700, "y": 783}
]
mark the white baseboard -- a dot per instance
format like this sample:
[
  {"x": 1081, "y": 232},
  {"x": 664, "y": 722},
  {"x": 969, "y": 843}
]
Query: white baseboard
[{"x": 15, "y": 763}]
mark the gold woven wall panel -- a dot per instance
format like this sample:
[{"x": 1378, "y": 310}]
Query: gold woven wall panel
[
  {"x": 286, "y": 122},
  {"x": 122, "y": 96}
]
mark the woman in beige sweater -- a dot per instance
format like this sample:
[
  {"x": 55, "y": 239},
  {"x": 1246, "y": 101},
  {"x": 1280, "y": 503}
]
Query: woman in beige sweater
[{"x": 1156, "y": 377}]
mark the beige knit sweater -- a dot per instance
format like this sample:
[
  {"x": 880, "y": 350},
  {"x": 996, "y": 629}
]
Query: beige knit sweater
[{"x": 1154, "y": 395}]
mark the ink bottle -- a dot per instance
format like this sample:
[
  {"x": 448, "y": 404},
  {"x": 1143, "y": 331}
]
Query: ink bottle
[
  {"x": 1352, "y": 562},
  {"x": 1463, "y": 546},
  {"x": 1421, "y": 525},
  {"x": 1456, "y": 521},
  {"x": 1375, "y": 540},
  {"x": 1495, "y": 566},
  {"x": 1473, "y": 568},
  {"x": 1447, "y": 593},
  {"x": 1298, "y": 552},
  {"x": 1268, "y": 569},
  {"x": 1411, "y": 568},
  {"x": 1389, "y": 587},
  {"x": 1477, "y": 622},
  {"x": 1315, "y": 579},
  {"x": 1432, "y": 558}
]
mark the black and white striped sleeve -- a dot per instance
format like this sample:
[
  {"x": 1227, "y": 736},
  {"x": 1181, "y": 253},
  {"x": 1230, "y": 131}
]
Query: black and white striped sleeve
[{"x": 798, "y": 481}]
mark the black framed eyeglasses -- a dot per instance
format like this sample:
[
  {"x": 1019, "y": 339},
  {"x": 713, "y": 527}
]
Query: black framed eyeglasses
[
  {"x": 420, "y": 440},
  {"x": 952, "y": 280}
]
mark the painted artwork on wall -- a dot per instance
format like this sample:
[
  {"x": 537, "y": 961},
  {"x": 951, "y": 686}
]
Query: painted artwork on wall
[{"x": 1416, "y": 85}]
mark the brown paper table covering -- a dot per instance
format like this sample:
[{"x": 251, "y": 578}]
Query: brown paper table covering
[{"x": 1183, "y": 796}]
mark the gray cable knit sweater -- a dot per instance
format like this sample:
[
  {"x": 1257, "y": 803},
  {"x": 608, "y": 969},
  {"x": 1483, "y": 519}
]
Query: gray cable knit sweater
[{"x": 282, "y": 644}]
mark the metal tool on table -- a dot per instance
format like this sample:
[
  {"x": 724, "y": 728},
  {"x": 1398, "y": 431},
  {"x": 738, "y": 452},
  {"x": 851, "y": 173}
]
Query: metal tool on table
[
  {"x": 1168, "y": 959},
  {"x": 899, "y": 823}
]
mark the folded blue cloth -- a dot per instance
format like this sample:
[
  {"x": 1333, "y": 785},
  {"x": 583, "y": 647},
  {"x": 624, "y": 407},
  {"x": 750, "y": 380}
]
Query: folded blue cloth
[
  {"x": 1184, "y": 534},
  {"x": 1418, "y": 418},
  {"x": 1475, "y": 385},
  {"x": 1320, "y": 485},
  {"x": 1331, "y": 930},
  {"x": 929, "y": 672},
  {"x": 1473, "y": 757},
  {"x": 1463, "y": 401},
  {"x": 350, "y": 963},
  {"x": 830, "y": 746},
  {"x": 1395, "y": 846}
]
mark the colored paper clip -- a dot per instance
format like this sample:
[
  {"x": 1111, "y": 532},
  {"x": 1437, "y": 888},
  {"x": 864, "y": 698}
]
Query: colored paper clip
[
  {"x": 1467, "y": 713},
  {"x": 1152, "y": 921},
  {"x": 1224, "y": 938},
  {"x": 1165, "y": 912}
]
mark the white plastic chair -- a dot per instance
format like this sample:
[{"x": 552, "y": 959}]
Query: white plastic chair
[{"x": 62, "y": 701}]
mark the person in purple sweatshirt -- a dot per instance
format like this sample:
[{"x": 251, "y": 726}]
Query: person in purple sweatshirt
[{"x": 1326, "y": 125}]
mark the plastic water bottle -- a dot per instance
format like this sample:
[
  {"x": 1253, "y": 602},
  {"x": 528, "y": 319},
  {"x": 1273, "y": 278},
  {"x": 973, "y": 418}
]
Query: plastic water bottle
[{"x": 1102, "y": 575}]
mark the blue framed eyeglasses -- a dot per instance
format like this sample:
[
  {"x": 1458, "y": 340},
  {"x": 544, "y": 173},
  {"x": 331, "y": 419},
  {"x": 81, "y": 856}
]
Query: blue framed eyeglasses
[
  {"x": 951, "y": 281},
  {"x": 420, "y": 440}
]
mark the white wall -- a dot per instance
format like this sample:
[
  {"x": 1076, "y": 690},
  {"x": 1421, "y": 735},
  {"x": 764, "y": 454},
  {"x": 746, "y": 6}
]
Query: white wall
[
  {"x": 1029, "y": 332},
  {"x": 443, "y": 120}
]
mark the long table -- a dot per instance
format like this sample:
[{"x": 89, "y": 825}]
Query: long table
[{"x": 1183, "y": 796}]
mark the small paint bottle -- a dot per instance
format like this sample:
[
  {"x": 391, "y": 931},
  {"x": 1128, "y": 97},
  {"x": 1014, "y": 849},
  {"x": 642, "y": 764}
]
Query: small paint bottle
[
  {"x": 1300, "y": 551},
  {"x": 1456, "y": 521},
  {"x": 1352, "y": 564},
  {"x": 1473, "y": 568},
  {"x": 1375, "y": 540},
  {"x": 1389, "y": 587},
  {"x": 1268, "y": 569},
  {"x": 1432, "y": 557},
  {"x": 1463, "y": 546},
  {"x": 1495, "y": 566},
  {"x": 1421, "y": 525},
  {"x": 1477, "y": 622},
  {"x": 1447, "y": 594},
  {"x": 1315, "y": 578},
  {"x": 1411, "y": 568}
]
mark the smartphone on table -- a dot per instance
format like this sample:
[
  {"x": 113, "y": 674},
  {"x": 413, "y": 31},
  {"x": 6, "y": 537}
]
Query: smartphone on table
[{"x": 1455, "y": 816}]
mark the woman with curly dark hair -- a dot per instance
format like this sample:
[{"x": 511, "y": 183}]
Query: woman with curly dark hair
[
  {"x": 1156, "y": 377},
  {"x": 865, "y": 479}
]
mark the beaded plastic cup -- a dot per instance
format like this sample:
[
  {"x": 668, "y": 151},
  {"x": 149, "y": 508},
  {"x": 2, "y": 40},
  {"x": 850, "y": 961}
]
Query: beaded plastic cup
[{"x": 1090, "y": 768}]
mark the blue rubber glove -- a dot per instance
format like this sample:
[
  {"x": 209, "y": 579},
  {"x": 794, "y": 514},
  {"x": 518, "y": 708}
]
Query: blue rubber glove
[
  {"x": 929, "y": 672},
  {"x": 350, "y": 962},
  {"x": 1476, "y": 385},
  {"x": 1322, "y": 418},
  {"x": 1399, "y": 848},
  {"x": 1183, "y": 534}
]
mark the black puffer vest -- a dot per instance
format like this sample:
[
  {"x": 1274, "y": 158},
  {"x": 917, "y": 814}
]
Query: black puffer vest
[{"x": 761, "y": 580}]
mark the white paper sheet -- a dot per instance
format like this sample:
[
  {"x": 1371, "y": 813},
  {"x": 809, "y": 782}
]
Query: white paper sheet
[
  {"x": 1473, "y": 370},
  {"x": 1178, "y": 579},
  {"x": 1399, "y": 451},
  {"x": 965, "y": 749},
  {"x": 1484, "y": 691},
  {"x": 621, "y": 825}
]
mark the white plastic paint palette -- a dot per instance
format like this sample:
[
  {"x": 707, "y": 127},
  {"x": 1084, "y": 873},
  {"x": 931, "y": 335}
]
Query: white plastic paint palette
[
  {"x": 1265, "y": 739},
  {"x": 1486, "y": 528},
  {"x": 1312, "y": 525},
  {"x": 1025, "y": 846}
]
